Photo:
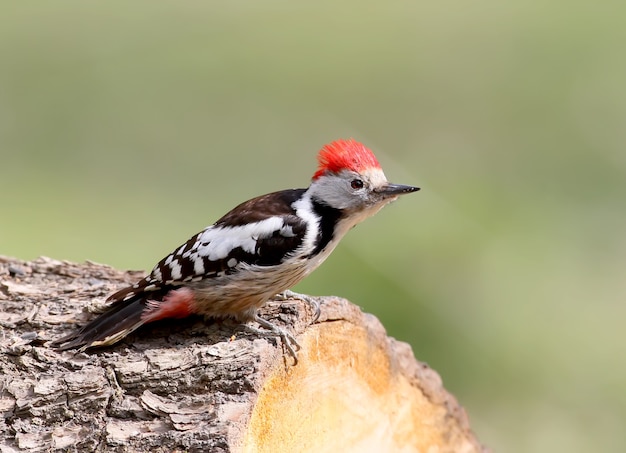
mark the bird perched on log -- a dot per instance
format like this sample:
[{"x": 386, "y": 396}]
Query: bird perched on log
[{"x": 261, "y": 248}]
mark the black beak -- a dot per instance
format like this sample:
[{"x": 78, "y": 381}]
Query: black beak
[{"x": 391, "y": 190}]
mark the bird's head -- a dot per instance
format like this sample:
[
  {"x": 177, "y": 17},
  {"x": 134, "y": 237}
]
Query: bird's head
[{"x": 350, "y": 178}]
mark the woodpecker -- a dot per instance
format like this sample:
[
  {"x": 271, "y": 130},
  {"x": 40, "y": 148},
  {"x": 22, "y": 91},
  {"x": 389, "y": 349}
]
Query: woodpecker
[{"x": 258, "y": 250}]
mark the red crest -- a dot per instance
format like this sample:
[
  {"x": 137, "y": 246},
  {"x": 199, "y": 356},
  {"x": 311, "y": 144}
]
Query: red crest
[{"x": 345, "y": 155}]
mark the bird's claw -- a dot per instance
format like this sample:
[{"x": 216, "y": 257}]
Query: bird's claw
[
  {"x": 289, "y": 341},
  {"x": 315, "y": 305}
]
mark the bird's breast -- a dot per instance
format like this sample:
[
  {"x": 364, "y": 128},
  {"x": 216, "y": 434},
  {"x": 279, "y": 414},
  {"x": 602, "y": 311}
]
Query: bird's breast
[{"x": 240, "y": 294}]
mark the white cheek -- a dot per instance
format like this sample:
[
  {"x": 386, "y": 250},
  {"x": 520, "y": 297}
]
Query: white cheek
[{"x": 333, "y": 191}]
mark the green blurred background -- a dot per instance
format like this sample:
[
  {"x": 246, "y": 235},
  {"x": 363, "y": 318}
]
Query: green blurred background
[{"x": 125, "y": 127}]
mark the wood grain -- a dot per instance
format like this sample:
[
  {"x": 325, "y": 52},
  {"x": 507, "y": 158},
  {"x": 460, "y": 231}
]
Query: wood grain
[{"x": 196, "y": 385}]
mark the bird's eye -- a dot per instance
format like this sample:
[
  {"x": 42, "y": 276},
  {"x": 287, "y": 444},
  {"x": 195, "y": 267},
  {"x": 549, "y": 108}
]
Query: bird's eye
[{"x": 356, "y": 184}]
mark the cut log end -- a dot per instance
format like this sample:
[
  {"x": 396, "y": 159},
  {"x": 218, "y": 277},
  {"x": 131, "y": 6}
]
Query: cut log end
[{"x": 205, "y": 386}]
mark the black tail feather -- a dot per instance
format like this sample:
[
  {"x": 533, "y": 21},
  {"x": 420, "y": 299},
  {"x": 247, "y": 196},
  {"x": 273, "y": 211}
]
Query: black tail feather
[{"x": 114, "y": 324}]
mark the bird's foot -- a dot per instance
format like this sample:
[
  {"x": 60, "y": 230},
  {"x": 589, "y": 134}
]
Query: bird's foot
[
  {"x": 289, "y": 341},
  {"x": 315, "y": 305}
]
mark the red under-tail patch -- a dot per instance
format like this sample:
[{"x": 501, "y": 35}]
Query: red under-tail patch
[
  {"x": 345, "y": 155},
  {"x": 178, "y": 303}
]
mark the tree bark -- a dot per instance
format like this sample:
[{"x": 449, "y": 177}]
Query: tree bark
[{"x": 196, "y": 385}]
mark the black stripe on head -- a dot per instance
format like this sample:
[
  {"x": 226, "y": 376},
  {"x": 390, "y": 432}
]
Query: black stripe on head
[{"x": 329, "y": 217}]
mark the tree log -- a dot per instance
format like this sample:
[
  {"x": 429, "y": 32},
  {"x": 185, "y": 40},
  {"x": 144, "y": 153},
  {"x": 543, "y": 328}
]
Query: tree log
[{"x": 209, "y": 386}]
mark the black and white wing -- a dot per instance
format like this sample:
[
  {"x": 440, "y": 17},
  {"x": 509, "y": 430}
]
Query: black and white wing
[{"x": 263, "y": 231}]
